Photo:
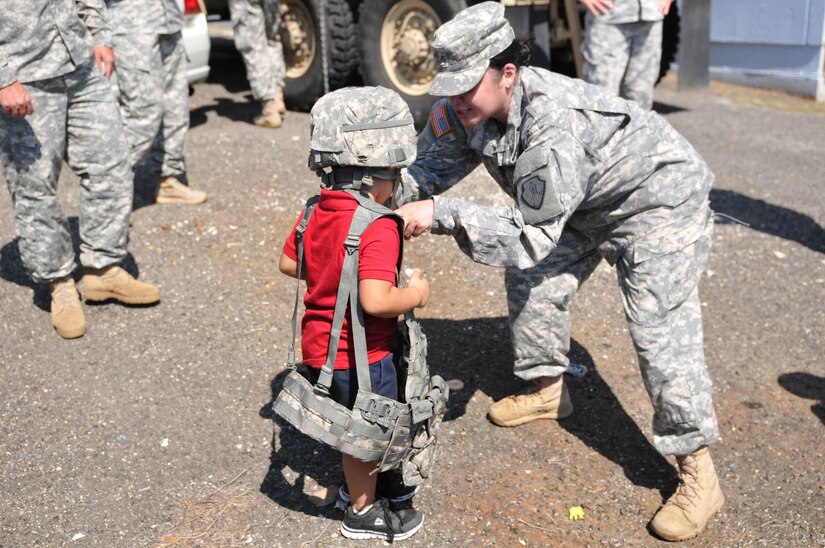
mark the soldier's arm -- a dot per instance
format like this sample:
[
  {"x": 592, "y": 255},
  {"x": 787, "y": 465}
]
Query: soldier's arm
[
  {"x": 15, "y": 100},
  {"x": 549, "y": 189},
  {"x": 443, "y": 157},
  {"x": 93, "y": 15},
  {"x": 7, "y": 74}
]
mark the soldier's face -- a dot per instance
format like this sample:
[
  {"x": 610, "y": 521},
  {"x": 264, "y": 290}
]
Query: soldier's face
[{"x": 489, "y": 99}]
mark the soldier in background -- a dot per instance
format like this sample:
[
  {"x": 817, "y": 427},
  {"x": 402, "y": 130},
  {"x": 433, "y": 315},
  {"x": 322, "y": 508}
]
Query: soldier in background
[
  {"x": 256, "y": 24},
  {"x": 55, "y": 101},
  {"x": 154, "y": 95},
  {"x": 622, "y": 46},
  {"x": 592, "y": 176}
]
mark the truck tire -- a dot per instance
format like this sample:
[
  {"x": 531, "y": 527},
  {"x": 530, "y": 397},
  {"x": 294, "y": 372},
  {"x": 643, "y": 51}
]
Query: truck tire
[
  {"x": 394, "y": 47},
  {"x": 300, "y": 37},
  {"x": 670, "y": 40}
]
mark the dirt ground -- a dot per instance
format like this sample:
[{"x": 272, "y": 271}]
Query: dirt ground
[{"x": 155, "y": 428}]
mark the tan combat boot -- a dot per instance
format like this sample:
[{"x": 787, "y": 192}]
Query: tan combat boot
[
  {"x": 545, "y": 398},
  {"x": 172, "y": 191},
  {"x": 697, "y": 498},
  {"x": 115, "y": 283},
  {"x": 270, "y": 117},
  {"x": 279, "y": 100},
  {"x": 67, "y": 315}
]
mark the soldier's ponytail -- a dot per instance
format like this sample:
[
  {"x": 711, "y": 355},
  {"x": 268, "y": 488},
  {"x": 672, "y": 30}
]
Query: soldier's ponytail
[{"x": 519, "y": 52}]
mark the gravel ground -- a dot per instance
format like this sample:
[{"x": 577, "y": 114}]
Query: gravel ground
[{"x": 155, "y": 429}]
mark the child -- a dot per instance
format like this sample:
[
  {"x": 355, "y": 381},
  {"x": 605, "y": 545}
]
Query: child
[{"x": 360, "y": 138}]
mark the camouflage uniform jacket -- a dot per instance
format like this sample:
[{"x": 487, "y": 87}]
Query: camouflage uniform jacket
[
  {"x": 632, "y": 11},
  {"x": 41, "y": 39},
  {"x": 145, "y": 16},
  {"x": 570, "y": 155}
]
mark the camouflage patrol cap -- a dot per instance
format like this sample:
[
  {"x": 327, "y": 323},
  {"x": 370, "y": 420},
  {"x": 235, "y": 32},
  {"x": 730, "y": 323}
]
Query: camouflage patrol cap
[
  {"x": 361, "y": 126},
  {"x": 463, "y": 47}
]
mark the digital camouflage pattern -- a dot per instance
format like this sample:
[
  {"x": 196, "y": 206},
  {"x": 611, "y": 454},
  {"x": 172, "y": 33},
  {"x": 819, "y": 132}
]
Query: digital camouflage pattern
[
  {"x": 622, "y": 49},
  {"x": 461, "y": 58},
  {"x": 631, "y": 11},
  {"x": 42, "y": 39},
  {"x": 152, "y": 87},
  {"x": 76, "y": 114},
  {"x": 361, "y": 126},
  {"x": 144, "y": 16},
  {"x": 592, "y": 176},
  {"x": 256, "y": 24}
]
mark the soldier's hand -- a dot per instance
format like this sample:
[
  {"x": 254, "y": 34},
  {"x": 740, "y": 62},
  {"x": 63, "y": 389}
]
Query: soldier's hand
[
  {"x": 598, "y": 7},
  {"x": 418, "y": 217},
  {"x": 15, "y": 100},
  {"x": 105, "y": 60},
  {"x": 421, "y": 285},
  {"x": 664, "y": 6}
]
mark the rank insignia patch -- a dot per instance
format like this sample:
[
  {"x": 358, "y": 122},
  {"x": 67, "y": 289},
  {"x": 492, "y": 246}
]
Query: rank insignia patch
[{"x": 438, "y": 121}]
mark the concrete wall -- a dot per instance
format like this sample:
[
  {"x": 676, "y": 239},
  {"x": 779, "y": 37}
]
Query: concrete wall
[{"x": 770, "y": 43}]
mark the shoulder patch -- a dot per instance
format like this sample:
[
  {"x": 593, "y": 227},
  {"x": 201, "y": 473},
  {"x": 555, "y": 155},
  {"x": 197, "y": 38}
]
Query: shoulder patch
[
  {"x": 536, "y": 195},
  {"x": 439, "y": 122}
]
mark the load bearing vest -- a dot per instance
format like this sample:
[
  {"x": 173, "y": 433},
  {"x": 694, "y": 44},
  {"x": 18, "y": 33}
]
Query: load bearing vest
[{"x": 377, "y": 429}]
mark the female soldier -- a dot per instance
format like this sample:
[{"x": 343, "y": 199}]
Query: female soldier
[{"x": 592, "y": 176}]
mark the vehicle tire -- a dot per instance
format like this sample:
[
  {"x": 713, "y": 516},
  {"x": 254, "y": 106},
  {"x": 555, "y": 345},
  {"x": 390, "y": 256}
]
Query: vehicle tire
[
  {"x": 394, "y": 47},
  {"x": 670, "y": 40},
  {"x": 300, "y": 37}
]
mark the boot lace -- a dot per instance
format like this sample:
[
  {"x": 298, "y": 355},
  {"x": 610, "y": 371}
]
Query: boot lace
[
  {"x": 689, "y": 488},
  {"x": 65, "y": 296}
]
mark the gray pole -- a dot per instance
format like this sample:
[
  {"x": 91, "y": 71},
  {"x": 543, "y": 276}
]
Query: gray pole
[{"x": 694, "y": 50}]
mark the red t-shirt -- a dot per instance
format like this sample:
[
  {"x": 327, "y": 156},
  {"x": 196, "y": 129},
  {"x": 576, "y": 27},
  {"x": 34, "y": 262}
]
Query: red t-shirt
[{"x": 323, "y": 261}]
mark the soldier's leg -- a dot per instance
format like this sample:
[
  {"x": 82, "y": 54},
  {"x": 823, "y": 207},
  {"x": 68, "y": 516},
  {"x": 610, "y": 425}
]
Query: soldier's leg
[
  {"x": 31, "y": 156},
  {"x": 167, "y": 152},
  {"x": 251, "y": 41},
  {"x": 98, "y": 153},
  {"x": 538, "y": 301},
  {"x": 643, "y": 65},
  {"x": 140, "y": 96},
  {"x": 661, "y": 302},
  {"x": 665, "y": 318},
  {"x": 606, "y": 51}
]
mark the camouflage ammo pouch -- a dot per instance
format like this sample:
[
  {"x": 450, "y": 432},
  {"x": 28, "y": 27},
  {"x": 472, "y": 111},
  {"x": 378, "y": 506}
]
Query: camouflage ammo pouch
[{"x": 377, "y": 429}]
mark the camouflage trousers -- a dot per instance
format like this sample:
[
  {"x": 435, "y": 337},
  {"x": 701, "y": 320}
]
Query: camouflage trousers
[
  {"x": 663, "y": 313},
  {"x": 153, "y": 93},
  {"x": 623, "y": 58},
  {"x": 75, "y": 115},
  {"x": 256, "y": 24}
]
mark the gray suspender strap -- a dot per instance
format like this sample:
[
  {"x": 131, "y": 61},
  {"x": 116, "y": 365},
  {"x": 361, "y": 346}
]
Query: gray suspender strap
[
  {"x": 309, "y": 207},
  {"x": 348, "y": 291}
]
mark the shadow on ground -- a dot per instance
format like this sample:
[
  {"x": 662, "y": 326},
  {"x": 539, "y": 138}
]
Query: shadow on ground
[
  {"x": 808, "y": 386},
  {"x": 769, "y": 218}
]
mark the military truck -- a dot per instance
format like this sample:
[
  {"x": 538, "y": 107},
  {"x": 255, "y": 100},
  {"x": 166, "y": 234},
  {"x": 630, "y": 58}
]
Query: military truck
[{"x": 387, "y": 43}]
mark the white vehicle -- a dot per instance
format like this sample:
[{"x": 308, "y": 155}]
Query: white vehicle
[{"x": 195, "y": 40}]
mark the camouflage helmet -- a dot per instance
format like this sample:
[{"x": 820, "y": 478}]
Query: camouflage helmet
[{"x": 369, "y": 127}]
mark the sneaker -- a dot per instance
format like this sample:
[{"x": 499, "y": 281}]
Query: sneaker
[
  {"x": 67, "y": 315},
  {"x": 545, "y": 398},
  {"x": 270, "y": 117},
  {"x": 172, "y": 191},
  {"x": 381, "y": 522},
  {"x": 115, "y": 283}
]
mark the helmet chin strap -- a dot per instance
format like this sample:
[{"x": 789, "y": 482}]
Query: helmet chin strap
[{"x": 347, "y": 178}]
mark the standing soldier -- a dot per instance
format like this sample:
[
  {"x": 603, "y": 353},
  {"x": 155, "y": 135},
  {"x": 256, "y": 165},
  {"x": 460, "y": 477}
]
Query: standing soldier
[
  {"x": 256, "y": 24},
  {"x": 153, "y": 95},
  {"x": 622, "y": 46},
  {"x": 591, "y": 176},
  {"x": 55, "y": 101}
]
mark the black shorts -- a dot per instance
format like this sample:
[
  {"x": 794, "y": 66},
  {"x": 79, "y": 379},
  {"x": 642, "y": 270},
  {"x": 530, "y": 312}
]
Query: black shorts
[{"x": 344, "y": 387}]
